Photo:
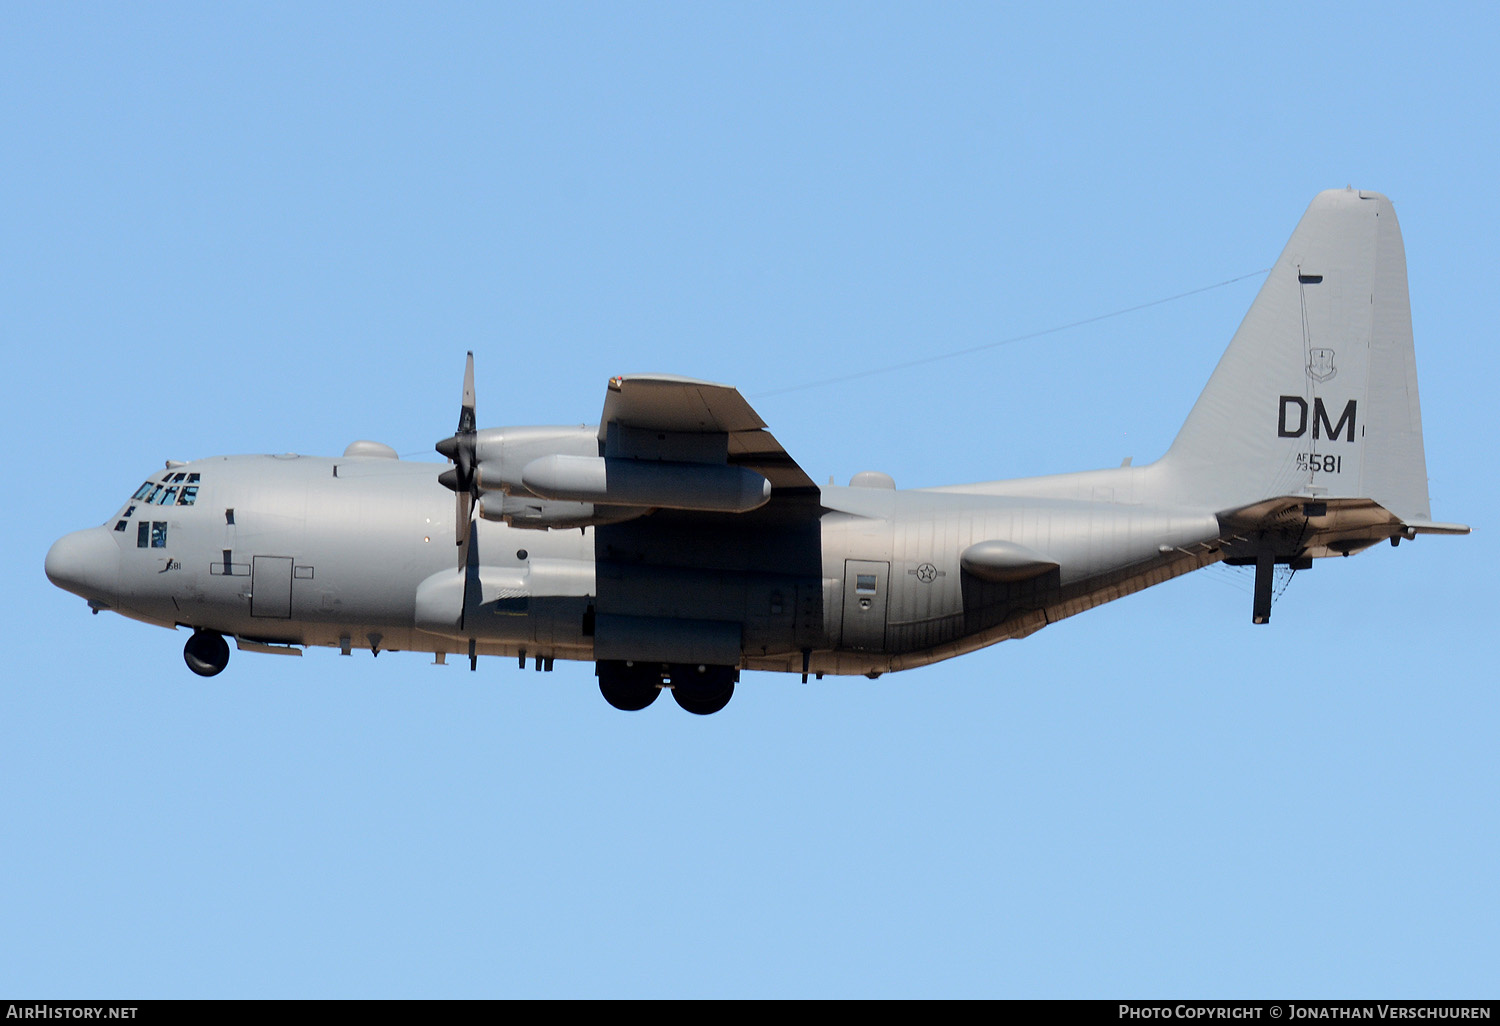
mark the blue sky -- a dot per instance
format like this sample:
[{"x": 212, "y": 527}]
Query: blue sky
[{"x": 261, "y": 228}]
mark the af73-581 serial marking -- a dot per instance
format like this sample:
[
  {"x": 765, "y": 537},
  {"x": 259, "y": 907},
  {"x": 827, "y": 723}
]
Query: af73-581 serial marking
[{"x": 677, "y": 543}]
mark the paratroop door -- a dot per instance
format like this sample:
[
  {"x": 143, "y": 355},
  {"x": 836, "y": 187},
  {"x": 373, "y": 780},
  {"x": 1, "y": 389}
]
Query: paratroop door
[
  {"x": 864, "y": 604},
  {"x": 271, "y": 587}
]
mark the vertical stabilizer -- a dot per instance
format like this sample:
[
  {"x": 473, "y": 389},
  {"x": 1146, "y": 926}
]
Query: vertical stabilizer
[{"x": 1317, "y": 394}]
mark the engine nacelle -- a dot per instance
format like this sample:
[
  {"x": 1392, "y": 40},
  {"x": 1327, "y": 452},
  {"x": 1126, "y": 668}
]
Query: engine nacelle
[
  {"x": 703, "y": 487},
  {"x": 544, "y": 601},
  {"x": 526, "y": 511},
  {"x": 502, "y": 453}
]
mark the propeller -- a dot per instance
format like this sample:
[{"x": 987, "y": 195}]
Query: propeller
[
  {"x": 463, "y": 479},
  {"x": 462, "y": 448}
]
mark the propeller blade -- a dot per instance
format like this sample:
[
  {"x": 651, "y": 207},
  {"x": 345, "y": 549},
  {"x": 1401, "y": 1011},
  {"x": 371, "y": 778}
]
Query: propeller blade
[
  {"x": 463, "y": 480},
  {"x": 466, "y": 408},
  {"x": 461, "y": 448},
  {"x": 463, "y": 523}
]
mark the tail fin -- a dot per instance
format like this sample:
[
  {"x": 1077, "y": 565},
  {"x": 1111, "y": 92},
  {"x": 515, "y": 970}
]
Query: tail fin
[{"x": 1316, "y": 396}]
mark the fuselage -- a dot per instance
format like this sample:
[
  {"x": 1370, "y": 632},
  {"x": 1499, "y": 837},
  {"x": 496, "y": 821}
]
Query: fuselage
[{"x": 359, "y": 553}]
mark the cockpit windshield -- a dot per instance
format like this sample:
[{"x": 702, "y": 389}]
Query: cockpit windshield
[{"x": 179, "y": 488}]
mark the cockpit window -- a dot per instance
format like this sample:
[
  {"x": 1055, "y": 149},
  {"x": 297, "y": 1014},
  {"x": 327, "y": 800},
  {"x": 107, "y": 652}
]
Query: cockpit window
[
  {"x": 150, "y": 532},
  {"x": 180, "y": 489}
]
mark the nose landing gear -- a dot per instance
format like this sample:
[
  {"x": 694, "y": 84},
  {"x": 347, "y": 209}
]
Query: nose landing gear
[{"x": 206, "y": 653}]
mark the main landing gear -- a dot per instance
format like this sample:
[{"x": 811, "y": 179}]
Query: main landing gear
[
  {"x": 628, "y": 686},
  {"x": 703, "y": 689},
  {"x": 206, "y": 653},
  {"x": 697, "y": 688}
]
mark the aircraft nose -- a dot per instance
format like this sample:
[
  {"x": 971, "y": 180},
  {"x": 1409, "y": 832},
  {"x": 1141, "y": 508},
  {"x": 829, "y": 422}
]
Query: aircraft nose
[{"x": 86, "y": 563}]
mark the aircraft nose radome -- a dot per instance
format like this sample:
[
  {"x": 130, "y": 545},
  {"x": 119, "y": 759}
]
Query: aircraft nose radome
[{"x": 86, "y": 563}]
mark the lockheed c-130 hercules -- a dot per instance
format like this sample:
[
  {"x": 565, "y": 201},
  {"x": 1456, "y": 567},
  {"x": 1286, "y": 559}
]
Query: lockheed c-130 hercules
[{"x": 677, "y": 543}]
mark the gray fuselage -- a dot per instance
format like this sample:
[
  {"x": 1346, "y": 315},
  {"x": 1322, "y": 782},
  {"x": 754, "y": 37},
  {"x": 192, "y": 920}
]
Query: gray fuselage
[{"x": 359, "y": 552}]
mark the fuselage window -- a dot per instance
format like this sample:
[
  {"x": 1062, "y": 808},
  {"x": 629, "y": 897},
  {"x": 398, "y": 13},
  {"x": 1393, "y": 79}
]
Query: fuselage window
[
  {"x": 143, "y": 491},
  {"x": 189, "y": 495},
  {"x": 120, "y": 526},
  {"x": 864, "y": 584},
  {"x": 158, "y": 534},
  {"x": 142, "y": 534},
  {"x": 168, "y": 496}
]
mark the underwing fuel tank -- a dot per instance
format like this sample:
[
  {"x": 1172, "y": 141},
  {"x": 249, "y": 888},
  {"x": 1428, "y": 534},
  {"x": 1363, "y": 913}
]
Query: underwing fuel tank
[{"x": 661, "y": 484}]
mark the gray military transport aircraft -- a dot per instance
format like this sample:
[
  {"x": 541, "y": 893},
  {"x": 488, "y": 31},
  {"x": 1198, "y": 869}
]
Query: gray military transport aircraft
[{"x": 678, "y": 543}]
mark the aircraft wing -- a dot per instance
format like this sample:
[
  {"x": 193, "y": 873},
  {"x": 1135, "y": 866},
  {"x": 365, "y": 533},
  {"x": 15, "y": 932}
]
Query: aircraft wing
[
  {"x": 669, "y": 587},
  {"x": 666, "y": 417}
]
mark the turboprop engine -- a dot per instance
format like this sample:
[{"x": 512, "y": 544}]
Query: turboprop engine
[
  {"x": 700, "y": 487},
  {"x": 555, "y": 477}
]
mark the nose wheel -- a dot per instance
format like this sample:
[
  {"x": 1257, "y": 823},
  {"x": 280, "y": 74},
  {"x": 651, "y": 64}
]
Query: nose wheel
[{"x": 206, "y": 653}]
